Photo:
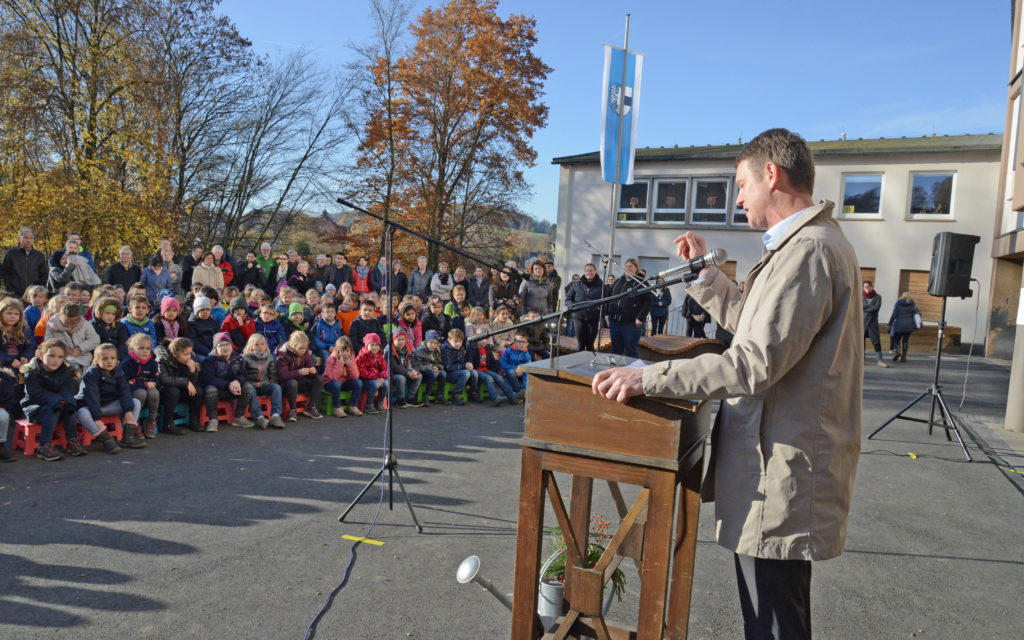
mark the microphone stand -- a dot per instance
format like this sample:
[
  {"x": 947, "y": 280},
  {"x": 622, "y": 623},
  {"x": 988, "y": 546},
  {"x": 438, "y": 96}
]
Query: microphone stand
[{"x": 390, "y": 463}]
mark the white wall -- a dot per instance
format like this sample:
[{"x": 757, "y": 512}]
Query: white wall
[{"x": 889, "y": 244}]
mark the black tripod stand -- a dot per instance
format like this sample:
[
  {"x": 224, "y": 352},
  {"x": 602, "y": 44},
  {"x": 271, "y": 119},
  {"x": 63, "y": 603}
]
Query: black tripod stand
[
  {"x": 935, "y": 391},
  {"x": 390, "y": 461}
]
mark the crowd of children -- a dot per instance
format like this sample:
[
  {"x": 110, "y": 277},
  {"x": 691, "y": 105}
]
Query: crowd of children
[{"x": 145, "y": 354}]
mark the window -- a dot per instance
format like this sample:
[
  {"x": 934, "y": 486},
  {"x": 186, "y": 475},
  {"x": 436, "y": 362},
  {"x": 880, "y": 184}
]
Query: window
[
  {"x": 931, "y": 195},
  {"x": 739, "y": 216},
  {"x": 862, "y": 196},
  {"x": 669, "y": 201},
  {"x": 633, "y": 202},
  {"x": 709, "y": 201}
]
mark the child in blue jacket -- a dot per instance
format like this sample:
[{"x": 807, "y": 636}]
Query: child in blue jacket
[
  {"x": 104, "y": 391},
  {"x": 513, "y": 359},
  {"x": 271, "y": 328},
  {"x": 325, "y": 332},
  {"x": 143, "y": 374}
]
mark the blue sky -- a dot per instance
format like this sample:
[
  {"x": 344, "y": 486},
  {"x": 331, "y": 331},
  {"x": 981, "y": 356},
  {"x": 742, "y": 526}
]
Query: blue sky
[{"x": 719, "y": 71}]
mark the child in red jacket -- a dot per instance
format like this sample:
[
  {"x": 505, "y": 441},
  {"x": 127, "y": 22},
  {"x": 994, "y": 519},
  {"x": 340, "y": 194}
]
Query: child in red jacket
[
  {"x": 373, "y": 371},
  {"x": 238, "y": 325}
]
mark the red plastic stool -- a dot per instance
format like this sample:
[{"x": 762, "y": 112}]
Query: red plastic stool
[
  {"x": 113, "y": 425},
  {"x": 301, "y": 402},
  {"x": 26, "y": 436},
  {"x": 225, "y": 413}
]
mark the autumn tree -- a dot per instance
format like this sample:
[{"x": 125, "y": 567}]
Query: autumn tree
[{"x": 453, "y": 120}]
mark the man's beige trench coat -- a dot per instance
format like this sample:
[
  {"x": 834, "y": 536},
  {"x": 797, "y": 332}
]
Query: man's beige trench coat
[{"x": 786, "y": 442}]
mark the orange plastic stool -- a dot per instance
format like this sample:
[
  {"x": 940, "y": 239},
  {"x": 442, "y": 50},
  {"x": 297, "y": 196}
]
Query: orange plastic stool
[{"x": 26, "y": 436}]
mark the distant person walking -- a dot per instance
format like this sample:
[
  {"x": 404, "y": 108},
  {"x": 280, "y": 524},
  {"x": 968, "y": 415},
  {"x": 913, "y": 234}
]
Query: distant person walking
[
  {"x": 903, "y": 322},
  {"x": 872, "y": 304}
]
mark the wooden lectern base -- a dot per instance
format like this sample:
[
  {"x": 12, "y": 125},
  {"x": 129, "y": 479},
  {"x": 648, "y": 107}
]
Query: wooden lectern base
[{"x": 655, "y": 444}]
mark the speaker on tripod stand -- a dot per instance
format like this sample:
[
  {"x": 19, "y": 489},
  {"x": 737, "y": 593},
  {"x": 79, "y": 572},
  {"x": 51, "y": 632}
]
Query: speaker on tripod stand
[{"x": 950, "y": 276}]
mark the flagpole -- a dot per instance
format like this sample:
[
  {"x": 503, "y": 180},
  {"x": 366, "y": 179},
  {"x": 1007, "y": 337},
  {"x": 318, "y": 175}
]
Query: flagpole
[{"x": 618, "y": 168}]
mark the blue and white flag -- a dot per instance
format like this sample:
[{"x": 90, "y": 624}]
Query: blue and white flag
[{"x": 620, "y": 107}]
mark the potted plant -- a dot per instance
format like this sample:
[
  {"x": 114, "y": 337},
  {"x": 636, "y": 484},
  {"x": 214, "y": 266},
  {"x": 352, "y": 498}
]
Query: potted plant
[{"x": 552, "y": 580}]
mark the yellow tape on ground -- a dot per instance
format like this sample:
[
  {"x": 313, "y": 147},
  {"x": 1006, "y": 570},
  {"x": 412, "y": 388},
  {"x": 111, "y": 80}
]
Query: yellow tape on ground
[
  {"x": 376, "y": 543},
  {"x": 1012, "y": 470},
  {"x": 912, "y": 455}
]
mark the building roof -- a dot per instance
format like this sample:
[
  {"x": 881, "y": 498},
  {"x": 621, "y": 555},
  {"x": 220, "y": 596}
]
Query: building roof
[{"x": 860, "y": 146}]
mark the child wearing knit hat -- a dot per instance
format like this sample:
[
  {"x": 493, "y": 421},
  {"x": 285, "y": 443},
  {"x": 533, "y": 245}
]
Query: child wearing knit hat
[
  {"x": 169, "y": 323},
  {"x": 238, "y": 324},
  {"x": 201, "y": 328},
  {"x": 373, "y": 371}
]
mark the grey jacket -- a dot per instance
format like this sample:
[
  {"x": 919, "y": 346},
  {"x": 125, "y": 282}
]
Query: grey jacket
[{"x": 787, "y": 438}]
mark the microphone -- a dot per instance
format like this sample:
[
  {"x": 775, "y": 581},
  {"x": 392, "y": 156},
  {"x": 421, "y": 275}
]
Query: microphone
[{"x": 712, "y": 258}]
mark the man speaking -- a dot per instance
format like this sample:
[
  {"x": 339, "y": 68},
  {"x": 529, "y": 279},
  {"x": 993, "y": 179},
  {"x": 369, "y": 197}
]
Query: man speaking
[{"x": 786, "y": 440}]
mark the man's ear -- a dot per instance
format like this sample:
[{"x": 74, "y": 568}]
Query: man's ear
[{"x": 773, "y": 173}]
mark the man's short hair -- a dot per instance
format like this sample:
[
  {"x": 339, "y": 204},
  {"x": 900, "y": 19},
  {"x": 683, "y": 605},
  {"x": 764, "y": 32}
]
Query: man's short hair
[
  {"x": 24, "y": 231},
  {"x": 869, "y": 283},
  {"x": 786, "y": 149},
  {"x": 367, "y": 303}
]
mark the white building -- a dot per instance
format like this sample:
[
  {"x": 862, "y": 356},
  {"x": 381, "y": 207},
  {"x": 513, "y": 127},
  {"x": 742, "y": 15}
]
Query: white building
[{"x": 892, "y": 196}]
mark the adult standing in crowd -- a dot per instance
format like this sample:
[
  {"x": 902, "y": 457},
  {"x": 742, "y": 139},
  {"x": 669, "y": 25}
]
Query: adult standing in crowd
[
  {"x": 585, "y": 322},
  {"x": 338, "y": 273},
  {"x": 123, "y": 273},
  {"x": 71, "y": 267},
  {"x": 872, "y": 304},
  {"x": 503, "y": 292},
  {"x": 173, "y": 269},
  {"x": 165, "y": 244},
  {"x": 76, "y": 237},
  {"x": 156, "y": 278},
  {"x": 478, "y": 289},
  {"x": 379, "y": 275},
  {"x": 317, "y": 271},
  {"x": 659, "y": 309},
  {"x": 223, "y": 262},
  {"x": 696, "y": 318},
  {"x": 249, "y": 272},
  {"x": 419, "y": 279},
  {"x": 902, "y": 323},
  {"x": 535, "y": 291},
  {"x": 269, "y": 266},
  {"x": 24, "y": 266},
  {"x": 628, "y": 314},
  {"x": 442, "y": 283},
  {"x": 786, "y": 441},
  {"x": 188, "y": 266},
  {"x": 556, "y": 284},
  {"x": 208, "y": 274},
  {"x": 399, "y": 281}
]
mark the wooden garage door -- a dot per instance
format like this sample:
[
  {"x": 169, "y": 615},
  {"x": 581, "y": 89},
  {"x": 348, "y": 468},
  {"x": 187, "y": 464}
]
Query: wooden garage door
[
  {"x": 916, "y": 282},
  {"x": 729, "y": 269}
]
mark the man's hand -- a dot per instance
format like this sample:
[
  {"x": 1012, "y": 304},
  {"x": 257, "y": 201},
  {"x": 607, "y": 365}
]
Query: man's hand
[
  {"x": 690, "y": 246},
  {"x": 619, "y": 384}
]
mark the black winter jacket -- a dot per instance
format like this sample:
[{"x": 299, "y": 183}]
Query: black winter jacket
[
  {"x": 44, "y": 387},
  {"x": 173, "y": 373},
  {"x": 99, "y": 388},
  {"x": 218, "y": 372},
  {"x": 627, "y": 310},
  {"x": 116, "y": 334},
  {"x": 585, "y": 291}
]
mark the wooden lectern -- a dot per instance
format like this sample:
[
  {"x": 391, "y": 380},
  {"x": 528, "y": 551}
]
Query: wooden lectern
[{"x": 653, "y": 443}]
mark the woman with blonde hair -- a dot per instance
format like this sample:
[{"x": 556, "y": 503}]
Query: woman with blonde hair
[{"x": 904, "y": 320}]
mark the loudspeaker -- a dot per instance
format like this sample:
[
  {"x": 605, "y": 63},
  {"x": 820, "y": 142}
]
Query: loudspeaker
[{"x": 952, "y": 258}]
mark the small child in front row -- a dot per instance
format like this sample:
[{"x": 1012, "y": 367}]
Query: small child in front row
[
  {"x": 513, "y": 359},
  {"x": 427, "y": 360},
  {"x": 405, "y": 378},
  {"x": 342, "y": 374},
  {"x": 50, "y": 399},
  {"x": 143, "y": 374},
  {"x": 325, "y": 332},
  {"x": 35, "y": 302},
  {"x": 179, "y": 383},
  {"x": 297, "y": 373},
  {"x": 222, "y": 376},
  {"x": 104, "y": 391},
  {"x": 458, "y": 369},
  {"x": 261, "y": 372},
  {"x": 373, "y": 371}
]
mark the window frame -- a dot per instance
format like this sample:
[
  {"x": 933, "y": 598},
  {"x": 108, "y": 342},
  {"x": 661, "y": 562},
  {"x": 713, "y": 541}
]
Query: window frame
[
  {"x": 645, "y": 210},
  {"x": 723, "y": 211},
  {"x": 881, "y": 189},
  {"x": 683, "y": 210},
  {"x": 951, "y": 215}
]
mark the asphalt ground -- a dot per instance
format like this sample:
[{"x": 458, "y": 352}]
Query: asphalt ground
[{"x": 235, "y": 534}]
